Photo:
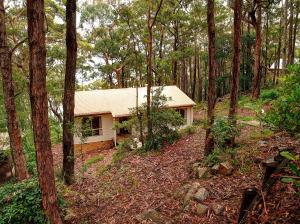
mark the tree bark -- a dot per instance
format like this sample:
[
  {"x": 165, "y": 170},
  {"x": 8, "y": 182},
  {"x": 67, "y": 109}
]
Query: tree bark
[
  {"x": 175, "y": 48},
  {"x": 295, "y": 31},
  {"x": 39, "y": 108},
  {"x": 235, "y": 76},
  {"x": 285, "y": 27},
  {"x": 290, "y": 39},
  {"x": 9, "y": 101},
  {"x": 149, "y": 72},
  {"x": 209, "y": 141},
  {"x": 69, "y": 94},
  {"x": 194, "y": 75},
  {"x": 257, "y": 73}
]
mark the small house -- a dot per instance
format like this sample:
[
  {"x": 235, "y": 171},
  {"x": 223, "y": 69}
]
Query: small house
[{"x": 99, "y": 109}]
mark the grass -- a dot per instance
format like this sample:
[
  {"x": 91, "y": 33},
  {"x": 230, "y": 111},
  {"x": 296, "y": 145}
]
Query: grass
[
  {"x": 246, "y": 118},
  {"x": 91, "y": 161},
  {"x": 258, "y": 134}
]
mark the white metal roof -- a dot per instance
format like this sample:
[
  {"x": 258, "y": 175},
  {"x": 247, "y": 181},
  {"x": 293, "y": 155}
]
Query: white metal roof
[{"x": 119, "y": 101}]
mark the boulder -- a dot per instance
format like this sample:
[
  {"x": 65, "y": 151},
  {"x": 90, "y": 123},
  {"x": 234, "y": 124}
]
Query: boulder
[
  {"x": 193, "y": 189},
  {"x": 217, "y": 209},
  {"x": 201, "y": 209},
  {"x": 201, "y": 194},
  {"x": 270, "y": 162},
  {"x": 225, "y": 169},
  {"x": 181, "y": 191}
]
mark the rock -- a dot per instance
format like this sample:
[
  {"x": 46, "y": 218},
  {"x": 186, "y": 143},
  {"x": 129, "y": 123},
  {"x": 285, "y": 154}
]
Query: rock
[
  {"x": 262, "y": 143},
  {"x": 201, "y": 194},
  {"x": 193, "y": 189},
  {"x": 225, "y": 169},
  {"x": 217, "y": 209},
  {"x": 201, "y": 172},
  {"x": 201, "y": 209},
  {"x": 215, "y": 169},
  {"x": 181, "y": 191},
  {"x": 152, "y": 215}
]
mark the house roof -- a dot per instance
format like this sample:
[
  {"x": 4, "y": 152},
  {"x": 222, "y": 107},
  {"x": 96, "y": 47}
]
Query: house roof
[{"x": 119, "y": 101}]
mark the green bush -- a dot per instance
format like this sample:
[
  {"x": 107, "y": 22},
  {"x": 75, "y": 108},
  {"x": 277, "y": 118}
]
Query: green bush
[
  {"x": 269, "y": 95},
  {"x": 223, "y": 131},
  {"x": 285, "y": 113},
  {"x": 21, "y": 203},
  {"x": 3, "y": 156}
]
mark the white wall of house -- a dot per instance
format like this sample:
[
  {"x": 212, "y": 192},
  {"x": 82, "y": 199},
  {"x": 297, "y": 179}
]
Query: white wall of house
[
  {"x": 107, "y": 127},
  {"x": 107, "y": 130}
]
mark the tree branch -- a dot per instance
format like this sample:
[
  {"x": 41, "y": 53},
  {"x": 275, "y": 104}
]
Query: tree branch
[
  {"x": 156, "y": 13},
  {"x": 18, "y": 44}
]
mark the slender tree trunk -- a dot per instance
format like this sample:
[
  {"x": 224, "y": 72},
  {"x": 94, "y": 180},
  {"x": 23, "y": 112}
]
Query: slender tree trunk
[
  {"x": 149, "y": 72},
  {"x": 69, "y": 93},
  {"x": 235, "y": 76},
  {"x": 160, "y": 54},
  {"x": 200, "y": 78},
  {"x": 295, "y": 31},
  {"x": 290, "y": 39},
  {"x": 39, "y": 108},
  {"x": 175, "y": 48},
  {"x": 266, "y": 43},
  {"x": 285, "y": 31},
  {"x": 209, "y": 141},
  {"x": 194, "y": 75},
  {"x": 9, "y": 101},
  {"x": 257, "y": 72}
]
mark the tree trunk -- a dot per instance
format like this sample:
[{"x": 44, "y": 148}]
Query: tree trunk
[
  {"x": 69, "y": 93},
  {"x": 290, "y": 39},
  {"x": 200, "y": 88},
  {"x": 194, "y": 75},
  {"x": 175, "y": 48},
  {"x": 209, "y": 141},
  {"x": 257, "y": 73},
  {"x": 235, "y": 77},
  {"x": 39, "y": 108},
  {"x": 9, "y": 101},
  {"x": 149, "y": 72},
  {"x": 285, "y": 27},
  {"x": 295, "y": 31}
]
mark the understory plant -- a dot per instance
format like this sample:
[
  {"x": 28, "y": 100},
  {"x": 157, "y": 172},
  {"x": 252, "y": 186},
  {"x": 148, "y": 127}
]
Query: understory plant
[
  {"x": 284, "y": 114},
  {"x": 294, "y": 167},
  {"x": 21, "y": 202}
]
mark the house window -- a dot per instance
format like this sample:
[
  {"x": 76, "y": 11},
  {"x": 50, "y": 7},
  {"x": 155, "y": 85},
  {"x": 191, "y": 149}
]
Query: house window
[
  {"x": 92, "y": 126},
  {"x": 182, "y": 112}
]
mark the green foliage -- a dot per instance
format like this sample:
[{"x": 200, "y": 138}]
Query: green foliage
[
  {"x": 165, "y": 121},
  {"x": 269, "y": 95},
  {"x": 223, "y": 131},
  {"x": 91, "y": 161},
  {"x": 219, "y": 155},
  {"x": 3, "y": 156},
  {"x": 294, "y": 167},
  {"x": 21, "y": 203},
  {"x": 284, "y": 115},
  {"x": 191, "y": 129},
  {"x": 29, "y": 150}
]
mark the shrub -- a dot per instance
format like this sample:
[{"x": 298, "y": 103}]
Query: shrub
[
  {"x": 269, "y": 95},
  {"x": 285, "y": 115},
  {"x": 3, "y": 156},
  {"x": 222, "y": 132},
  {"x": 21, "y": 202}
]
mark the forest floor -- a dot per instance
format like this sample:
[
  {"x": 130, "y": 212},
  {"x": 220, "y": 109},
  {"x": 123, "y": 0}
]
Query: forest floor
[{"x": 130, "y": 187}]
